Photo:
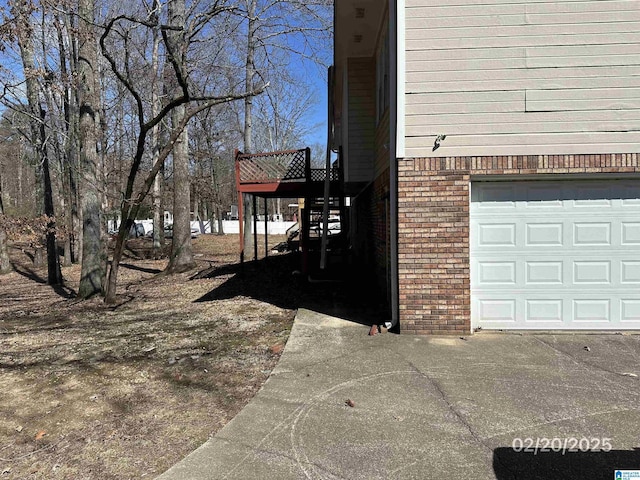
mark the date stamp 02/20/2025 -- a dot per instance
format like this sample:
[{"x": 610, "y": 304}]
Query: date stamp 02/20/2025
[
  {"x": 571, "y": 445},
  {"x": 561, "y": 445}
]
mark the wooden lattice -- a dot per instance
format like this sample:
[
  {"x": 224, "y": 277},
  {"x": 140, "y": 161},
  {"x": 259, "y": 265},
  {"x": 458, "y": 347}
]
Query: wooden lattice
[
  {"x": 272, "y": 167},
  {"x": 319, "y": 174}
]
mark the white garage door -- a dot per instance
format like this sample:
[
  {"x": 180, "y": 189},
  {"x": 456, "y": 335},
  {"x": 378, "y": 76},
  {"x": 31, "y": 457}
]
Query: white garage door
[{"x": 555, "y": 255}]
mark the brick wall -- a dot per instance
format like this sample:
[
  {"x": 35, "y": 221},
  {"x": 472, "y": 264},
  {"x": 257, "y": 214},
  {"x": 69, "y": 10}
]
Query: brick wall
[
  {"x": 372, "y": 233},
  {"x": 433, "y": 229}
]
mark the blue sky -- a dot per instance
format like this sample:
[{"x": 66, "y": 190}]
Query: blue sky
[{"x": 312, "y": 74}]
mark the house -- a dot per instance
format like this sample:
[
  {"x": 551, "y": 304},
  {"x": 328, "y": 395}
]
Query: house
[{"x": 492, "y": 151}]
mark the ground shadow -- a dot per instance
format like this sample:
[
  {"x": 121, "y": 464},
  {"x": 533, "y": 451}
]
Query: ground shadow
[
  {"x": 339, "y": 291},
  {"x": 28, "y": 273},
  {"x": 152, "y": 271},
  {"x": 568, "y": 465},
  {"x": 61, "y": 290},
  {"x": 64, "y": 291}
]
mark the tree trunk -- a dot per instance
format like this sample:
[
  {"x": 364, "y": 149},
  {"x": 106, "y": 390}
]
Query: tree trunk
[
  {"x": 181, "y": 258},
  {"x": 158, "y": 211},
  {"x": 72, "y": 163},
  {"x": 110, "y": 294},
  {"x": 54, "y": 274},
  {"x": 93, "y": 261},
  {"x": 38, "y": 134},
  {"x": 248, "y": 120},
  {"x": 5, "y": 262},
  {"x": 59, "y": 153},
  {"x": 38, "y": 256},
  {"x": 196, "y": 204},
  {"x": 220, "y": 219}
]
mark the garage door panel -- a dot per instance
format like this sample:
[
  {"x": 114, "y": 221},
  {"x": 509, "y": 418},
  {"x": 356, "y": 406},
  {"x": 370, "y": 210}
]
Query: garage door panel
[
  {"x": 630, "y": 272},
  {"x": 502, "y": 273},
  {"x": 591, "y": 310},
  {"x": 498, "y": 310},
  {"x": 544, "y": 234},
  {"x": 630, "y": 233},
  {"x": 497, "y": 235},
  {"x": 497, "y": 196},
  {"x": 544, "y": 273},
  {"x": 592, "y": 272},
  {"x": 556, "y": 255},
  {"x": 591, "y": 233},
  {"x": 630, "y": 310},
  {"x": 547, "y": 310}
]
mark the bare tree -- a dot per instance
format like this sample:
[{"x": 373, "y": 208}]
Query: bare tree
[
  {"x": 131, "y": 201},
  {"x": 181, "y": 257},
  {"x": 5, "y": 262},
  {"x": 214, "y": 179},
  {"x": 158, "y": 211},
  {"x": 93, "y": 258},
  {"x": 37, "y": 117}
]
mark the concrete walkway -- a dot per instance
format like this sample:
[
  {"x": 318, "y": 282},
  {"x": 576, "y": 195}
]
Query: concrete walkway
[{"x": 433, "y": 408}]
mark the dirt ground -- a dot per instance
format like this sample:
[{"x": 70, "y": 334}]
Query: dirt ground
[{"x": 114, "y": 392}]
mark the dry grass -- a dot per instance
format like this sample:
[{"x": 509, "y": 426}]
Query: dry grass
[{"x": 97, "y": 392}]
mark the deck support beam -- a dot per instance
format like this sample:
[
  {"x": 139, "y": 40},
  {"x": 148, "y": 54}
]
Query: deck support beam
[
  {"x": 266, "y": 233},
  {"x": 255, "y": 227}
]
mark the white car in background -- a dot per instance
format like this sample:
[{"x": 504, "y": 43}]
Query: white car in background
[{"x": 168, "y": 231}]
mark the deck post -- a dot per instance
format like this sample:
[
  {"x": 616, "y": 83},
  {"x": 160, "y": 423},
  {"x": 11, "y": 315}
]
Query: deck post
[
  {"x": 266, "y": 225},
  {"x": 255, "y": 227},
  {"x": 240, "y": 205},
  {"x": 306, "y": 213}
]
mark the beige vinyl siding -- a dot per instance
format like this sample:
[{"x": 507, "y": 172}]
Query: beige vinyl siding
[
  {"x": 361, "y": 118},
  {"x": 509, "y": 77}
]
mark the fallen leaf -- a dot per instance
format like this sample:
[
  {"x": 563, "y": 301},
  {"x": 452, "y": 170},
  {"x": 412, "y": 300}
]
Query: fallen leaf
[
  {"x": 350, "y": 403},
  {"x": 6, "y": 471},
  {"x": 627, "y": 374},
  {"x": 587, "y": 349},
  {"x": 40, "y": 434},
  {"x": 19, "y": 428},
  {"x": 276, "y": 349}
]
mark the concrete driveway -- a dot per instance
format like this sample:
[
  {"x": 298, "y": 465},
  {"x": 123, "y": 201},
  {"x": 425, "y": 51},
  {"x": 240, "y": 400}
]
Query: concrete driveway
[{"x": 434, "y": 408}]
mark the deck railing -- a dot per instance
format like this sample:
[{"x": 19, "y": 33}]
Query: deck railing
[{"x": 279, "y": 167}]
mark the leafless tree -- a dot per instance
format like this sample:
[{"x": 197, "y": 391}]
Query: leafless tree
[
  {"x": 5, "y": 262},
  {"x": 37, "y": 115},
  {"x": 93, "y": 252},
  {"x": 183, "y": 97},
  {"x": 181, "y": 257}
]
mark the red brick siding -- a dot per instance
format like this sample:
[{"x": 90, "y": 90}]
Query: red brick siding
[
  {"x": 433, "y": 229},
  {"x": 381, "y": 221},
  {"x": 372, "y": 229}
]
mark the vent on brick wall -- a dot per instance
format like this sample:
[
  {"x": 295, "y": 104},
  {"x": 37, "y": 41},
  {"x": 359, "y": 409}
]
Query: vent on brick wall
[
  {"x": 359, "y": 12},
  {"x": 357, "y": 38}
]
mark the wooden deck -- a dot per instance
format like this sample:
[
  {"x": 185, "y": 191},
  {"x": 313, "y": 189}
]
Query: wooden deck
[{"x": 285, "y": 174}]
